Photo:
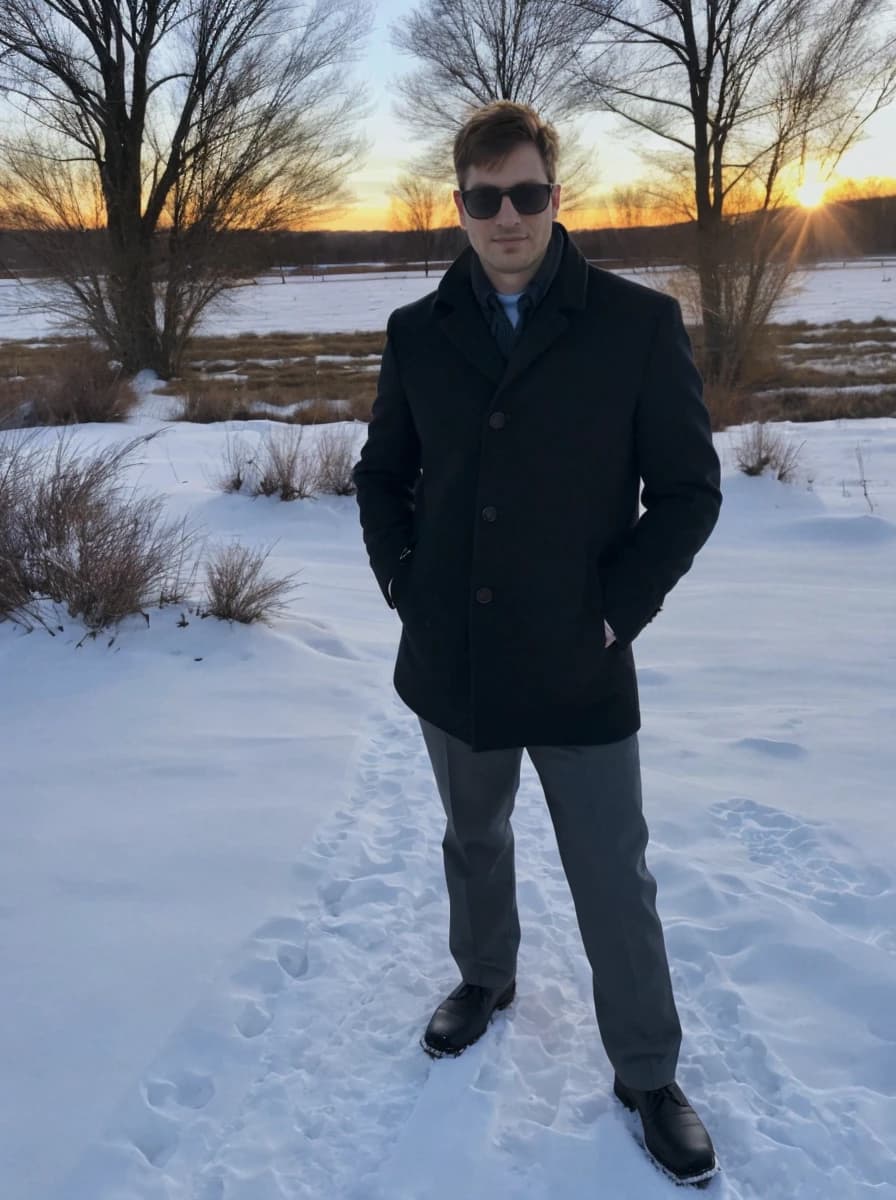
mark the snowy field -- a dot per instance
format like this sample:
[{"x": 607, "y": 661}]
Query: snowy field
[
  {"x": 857, "y": 291},
  {"x": 223, "y": 922}
]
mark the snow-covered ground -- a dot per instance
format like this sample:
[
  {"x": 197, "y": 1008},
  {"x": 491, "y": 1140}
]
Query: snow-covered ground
[
  {"x": 857, "y": 291},
  {"x": 223, "y": 922}
]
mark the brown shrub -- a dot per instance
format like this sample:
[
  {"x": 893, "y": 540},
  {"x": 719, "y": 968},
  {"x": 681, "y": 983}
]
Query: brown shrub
[
  {"x": 83, "y": 387},
  {"x": 119, "y": 560},
  {"x": 237, "y": 465},
  {"x": 72, "y": 537},
  {"x": 17, "y": 465},
  {"x": 335, "y": 459},
  {"x": 728, "y": 404},
  {"x": 15, "y": 397},
  {"x": 281, "y": 467},
  {"x": 215, "y": 400},
  {"x": 759, "y": 448},
  {"x": 237, "y": 590}
]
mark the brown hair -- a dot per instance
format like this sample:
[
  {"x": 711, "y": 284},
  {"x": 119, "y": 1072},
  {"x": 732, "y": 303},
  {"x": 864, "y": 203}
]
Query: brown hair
[{"x": 490, "y": 133}]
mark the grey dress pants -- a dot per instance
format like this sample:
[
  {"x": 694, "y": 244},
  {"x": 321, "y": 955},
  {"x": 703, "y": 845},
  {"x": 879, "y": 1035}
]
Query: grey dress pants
[{"x": 593, "y": 795}]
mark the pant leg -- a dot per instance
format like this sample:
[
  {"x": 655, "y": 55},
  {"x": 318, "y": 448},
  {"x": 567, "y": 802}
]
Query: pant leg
[
  {"x": 594, "y": 797},
  {"x": 478, "y": 791}
]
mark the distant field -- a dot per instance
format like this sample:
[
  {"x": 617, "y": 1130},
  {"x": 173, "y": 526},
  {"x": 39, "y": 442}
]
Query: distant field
[
  {"x": 308, "y": 349},
  {"x": 343, "y": 303}
]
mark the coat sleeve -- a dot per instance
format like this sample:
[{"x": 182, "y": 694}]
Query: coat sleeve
[
  {"x": 387, "y": 471},
  {"x": 680, "y": 471}
]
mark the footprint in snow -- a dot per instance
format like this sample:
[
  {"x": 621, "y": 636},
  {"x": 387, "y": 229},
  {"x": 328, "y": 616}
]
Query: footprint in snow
[
  {"x": 189, "y": 1089},
  {"x": 157, "y": 1140},
  {"x": 253, "y": 1020},
  {"x": 814, "y": 862},
  {"x": 329, "y": 645},
  {"x": 772, "y": 748}
]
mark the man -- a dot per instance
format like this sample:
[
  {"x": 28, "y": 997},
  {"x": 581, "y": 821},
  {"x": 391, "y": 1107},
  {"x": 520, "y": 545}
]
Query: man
[{"x": 519, "y": 407}]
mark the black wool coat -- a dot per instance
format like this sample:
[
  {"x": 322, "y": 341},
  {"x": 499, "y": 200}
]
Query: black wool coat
[{"x": 515, "y": 483}]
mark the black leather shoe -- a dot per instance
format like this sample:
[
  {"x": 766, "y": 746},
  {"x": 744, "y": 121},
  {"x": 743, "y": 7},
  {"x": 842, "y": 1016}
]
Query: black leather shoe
[
  {"x": 463, "y": 1017},
  {"x": 674, "y": 1135}
]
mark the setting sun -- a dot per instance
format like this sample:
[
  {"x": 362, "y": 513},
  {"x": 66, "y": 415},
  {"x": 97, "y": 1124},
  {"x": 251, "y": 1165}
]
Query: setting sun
[{"x": 810, "y": 192}]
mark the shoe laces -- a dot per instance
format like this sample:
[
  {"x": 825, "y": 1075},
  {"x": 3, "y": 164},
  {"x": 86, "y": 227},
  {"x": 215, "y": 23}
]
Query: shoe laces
[{"x": 669, "y": 1091}]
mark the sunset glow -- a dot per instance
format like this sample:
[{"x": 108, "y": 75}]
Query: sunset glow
[{"x": 811, "y": 193}]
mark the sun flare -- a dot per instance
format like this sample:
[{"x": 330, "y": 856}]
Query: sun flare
[{"x": 810, "y": 191}]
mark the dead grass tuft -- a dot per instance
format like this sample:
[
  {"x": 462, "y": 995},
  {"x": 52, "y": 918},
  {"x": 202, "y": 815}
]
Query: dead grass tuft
[
  {"x": 238, "y": 590},
  {"x": 759, "y": 448},
  {"x": 213, "y": 401},
  {"x": 335, "y": 459},
  {"x": 84, "y": 387},
  {"x": 17, "y": 467},
  {"x": 15, "y": 402},
  {"x": 237, "y": 465},
  {"x": 281, "y": 467},
  {"x": 71, "y": 536}
]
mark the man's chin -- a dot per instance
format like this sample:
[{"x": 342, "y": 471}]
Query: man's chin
[{"x": 513, "y": 263}]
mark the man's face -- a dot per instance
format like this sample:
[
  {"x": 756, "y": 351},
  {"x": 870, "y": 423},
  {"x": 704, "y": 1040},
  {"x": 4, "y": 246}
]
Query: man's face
[{"x": 510, "y": 246}]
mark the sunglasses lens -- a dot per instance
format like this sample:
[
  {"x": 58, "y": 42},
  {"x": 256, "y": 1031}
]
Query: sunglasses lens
[
  {"x": 483, "y": 203},
  {"x": 530, "y": 198}
]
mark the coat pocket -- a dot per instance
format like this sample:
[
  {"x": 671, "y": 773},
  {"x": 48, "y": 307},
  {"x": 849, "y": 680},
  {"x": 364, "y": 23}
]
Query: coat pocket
[
  {"x": 594, "y": 599},
  {"x": 400, "y": 577}
]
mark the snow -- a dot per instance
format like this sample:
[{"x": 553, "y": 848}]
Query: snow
[
  {"x": 858, "y": 291},
  {"x": 223, "y": 921},
  {"x": 222, "y": 909}
]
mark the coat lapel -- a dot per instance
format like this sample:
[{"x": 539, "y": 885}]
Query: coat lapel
[
  {"x": 547, "y": 324},
  {"x": 463, "y": 322},
  {"x": 466, "y": 328}
]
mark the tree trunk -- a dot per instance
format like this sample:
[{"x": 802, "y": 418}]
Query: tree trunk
[
  {"x": 135, "y": 327},
  {"x": 132, "y": 301},
  {"x": 714, "y": 339}
]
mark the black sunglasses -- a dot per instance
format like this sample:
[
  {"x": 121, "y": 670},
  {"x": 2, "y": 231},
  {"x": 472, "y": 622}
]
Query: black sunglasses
[{"x": 527, "y": 198}]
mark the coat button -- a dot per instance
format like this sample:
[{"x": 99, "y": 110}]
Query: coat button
[
  {"x": 490, "y": 513},
  {"x": 496, "y": 420},
  {"x": 484, "y": 595}
]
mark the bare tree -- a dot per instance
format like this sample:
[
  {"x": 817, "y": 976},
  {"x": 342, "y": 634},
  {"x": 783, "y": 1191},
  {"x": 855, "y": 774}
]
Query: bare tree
[
  {"x": 741, "y": 91},
  {"x": 421, "y": 208},
  {"x": 149, "y": 131},
  {"x": 476, "y": 51}
]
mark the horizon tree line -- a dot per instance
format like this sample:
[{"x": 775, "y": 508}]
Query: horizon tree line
[{"x": 165, "y": 125}]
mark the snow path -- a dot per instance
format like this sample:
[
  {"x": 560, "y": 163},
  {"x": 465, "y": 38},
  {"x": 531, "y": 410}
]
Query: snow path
[
  {"x": 304, "y": 1077},
  {"x": 223, "y": 921}
]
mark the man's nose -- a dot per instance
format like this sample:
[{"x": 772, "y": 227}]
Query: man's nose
[{"x": 507, "y": 214}]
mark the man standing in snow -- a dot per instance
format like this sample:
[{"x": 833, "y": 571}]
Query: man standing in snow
[{"x": 518, "y": 410}]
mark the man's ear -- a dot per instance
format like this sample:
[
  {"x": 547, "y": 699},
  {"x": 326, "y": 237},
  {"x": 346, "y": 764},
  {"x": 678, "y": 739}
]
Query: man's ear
[
  {"x": 461, "y": 211},
  {"x": 555, "y": 200}
]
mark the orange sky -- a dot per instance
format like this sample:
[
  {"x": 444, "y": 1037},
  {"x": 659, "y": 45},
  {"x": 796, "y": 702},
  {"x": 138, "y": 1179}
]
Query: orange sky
[{"x": 604, "y": 214}]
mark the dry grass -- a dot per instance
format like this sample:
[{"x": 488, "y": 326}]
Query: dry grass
[
  {"x": 759, "y": 448},
  {"x": 238, "y": 590},
  {"x": 70, "y": 383},
  {"x": 69, "y": 534},
  {"x": 84, "y": 388},
  {"x": 14, "y": 403},
  {"x": 813, "y": 373},
  {"x": 302, "y": 379},
  {"x": 335, "y": 459},
  {"x": 292, "y": 378},
  {"x": 825, "y": 405},
  {"x": 237, "y": 465},
  {"x": 17, "y": 466},
  {"x": 282, "y": 469},
  {"x": 278, "y": 466},
  {"x": 215, "y": 402}
]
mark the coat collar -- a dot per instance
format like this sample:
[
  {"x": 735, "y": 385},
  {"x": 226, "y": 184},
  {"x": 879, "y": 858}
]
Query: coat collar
[{"x": 464, "y": 323}]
